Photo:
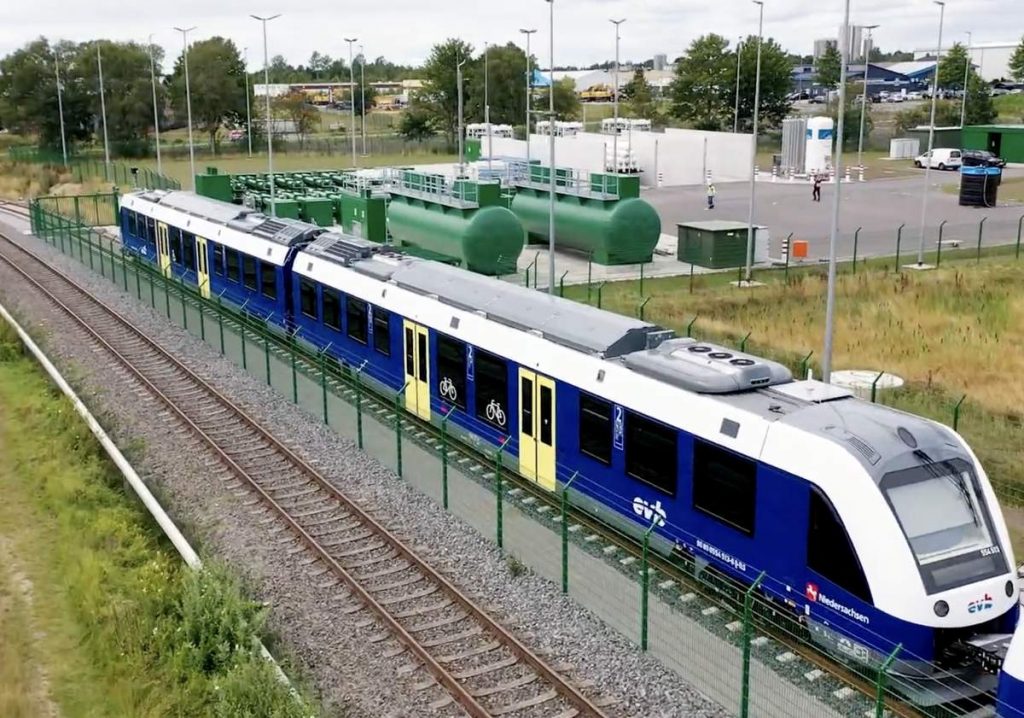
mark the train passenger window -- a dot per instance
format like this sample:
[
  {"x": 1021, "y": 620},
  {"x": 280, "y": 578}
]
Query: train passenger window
[
  {"x": 829, "y": 552},
  {"x": 133, "y": 223},
  {"x": 218, "y": 259},
  {"x": 232, "y": 263},
  {"x": 332, "y": 308},
  {"x": 174, "y": 244},
  {"x": 188, "y": 251},
  {"x": 421, "y": 355},
  {"x": 546, "y": 415},
  {"x": 307, "y": 297},
  {"x": 596, "y": 428},
  {"x": 249, "y": 277},
  {"x": 151, "y": 233},
  {"x": 451, "y": 371},
  {"x": 491, "y": 389},
  {"x": 357, "y": 317},
  {"x": 526, "y": 407},
  {"x": 410, "y": 357},
  {"x": 382, "y": 331},
  {"x": 724, "y": 486},
  {"x": 268, "y": 280},
  {"x": 651, "y": 454}
]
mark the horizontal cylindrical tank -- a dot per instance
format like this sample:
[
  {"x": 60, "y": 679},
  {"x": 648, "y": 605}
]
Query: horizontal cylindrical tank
[
  {"x": 487, "y": 240},
  {"x": 624, "y": 231}
]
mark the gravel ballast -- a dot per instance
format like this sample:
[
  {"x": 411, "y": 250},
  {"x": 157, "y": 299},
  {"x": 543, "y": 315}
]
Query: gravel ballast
[{"x": 329, "y": 646}]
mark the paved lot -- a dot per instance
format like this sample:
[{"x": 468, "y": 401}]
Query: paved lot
[{"x": 878, "y": 206}]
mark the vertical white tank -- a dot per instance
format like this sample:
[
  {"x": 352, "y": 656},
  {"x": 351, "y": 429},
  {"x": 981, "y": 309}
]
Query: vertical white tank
[{"x": 818, "y": 156}]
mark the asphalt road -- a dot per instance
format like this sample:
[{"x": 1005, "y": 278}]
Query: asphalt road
[{"x": 878, "y": 207}]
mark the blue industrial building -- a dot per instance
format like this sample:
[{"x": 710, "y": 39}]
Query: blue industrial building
[{"x": 891, "y": 77}]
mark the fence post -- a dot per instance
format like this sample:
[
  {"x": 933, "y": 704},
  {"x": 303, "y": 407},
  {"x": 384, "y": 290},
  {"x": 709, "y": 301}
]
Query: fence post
[
  {"x": 78, "y": 213},
  {"x": 642, "y": 305},
  {"x": 124, "y": 267},
  {"x": 691, "y": 278},
  {"x": 645, "y": 581},
  {"x": 565, "y": 532},
  {"x": 499, "y": 493},
  {"x": 805, "y": 364},
  {"x": 266, "y": 346},
  {"x": 748, "y": 630},
  {"x": 202, "y": 318},
  {"x": 956, "y": 412},
  {"x": 167, "y": 293},
  {"x": 561, "y": 284},
  {"x": 220, "y": 317},
  {"x": 856, "y": 240},
  {"x": 874, "y": 386},
  {"x": 689, "y": 327},
  {"x": 938, "y": 246},
  {"x": 398, "y": 428},
  {"x": 590, "y": 268},
  {"x": 359, "y": 404},
  {"x": 641, "y": 279},
  {"x": 599, "y": 288},
  {"x": 241, "y": 331},
  {"x": 1020, "y": 224},
  {"x": 103, "y": 270},
  {"x": 88, "y": 240},
  {"x": 323, "y": 383},
  {"x": 981, "y": 227},
  {"x": 295, "y": 377},
  {"x": 181, "y": 292},
  {"x": 444, "y": 457},
  {"x": 743, "y": 342},
  {"x": 138, "y": 280},
  {"x": 789, "y": 251},
  {"x": 899, "y": 238},
  {"x": 880, "y": 685}
]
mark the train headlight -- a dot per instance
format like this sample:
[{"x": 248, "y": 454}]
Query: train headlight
[
  {"x": 1009, "y": 589},
  {"x": 941, "y": 609}
]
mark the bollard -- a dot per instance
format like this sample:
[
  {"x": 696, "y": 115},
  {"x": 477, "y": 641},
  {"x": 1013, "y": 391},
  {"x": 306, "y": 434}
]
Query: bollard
[
  {"x": 565, "y": 533},
  {"x": 748, "y": 630},
  {"x": 981, "y": 227},
  {"x": 775, "y": 173},
  {"x": 846, "y": 175},
  {"x": 499, "y": 493},
  {"x": 860, "y": 173}
]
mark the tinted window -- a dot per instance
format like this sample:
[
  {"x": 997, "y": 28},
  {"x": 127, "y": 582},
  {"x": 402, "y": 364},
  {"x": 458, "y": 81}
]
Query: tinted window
[
  {"x": 174, "y": 244},
  {"x": 596, "y": 428},
  {"x": 451, "y": 371},
  {"x": 724, "y": 485},
  {"x": 218, "y": 259},
  {"x": 332, "y": 308},
  {"x": 249, "y": 272},
  {"x": 651, "y": 453},
  {"x": 133, "y": 223},
  {"x": 307, "y": 297},
  {"x": 547, "y": 434},
  {"x": 410, "y": 348},
  {"x": 268, "y": 280},
  {"x": 382, "y": 331},
  {"x": 491, "y": 389},
  {"x": 356, "y": 315},
  {"x": 421, "y": 350},
  {"x": 151, "y": 231},
  {"x": 829, "y": 552},
  {"x": 188, "y": 251},
  {"x": 526, "y": 407},
  {"x": 234, "y": 271}
]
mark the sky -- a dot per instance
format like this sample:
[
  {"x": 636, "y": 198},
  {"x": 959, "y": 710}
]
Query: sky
[{"x": 404, "y": 30}]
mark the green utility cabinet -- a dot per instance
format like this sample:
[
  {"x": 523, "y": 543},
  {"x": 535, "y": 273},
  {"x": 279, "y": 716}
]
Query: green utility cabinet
[
  {"x": 288, "y": 208},
  {"x": 363, "y": 213},
  {"x": 716, "y": 243},
  {"x": 214, "y": 185},
  {"x": 318, "y": 210}
]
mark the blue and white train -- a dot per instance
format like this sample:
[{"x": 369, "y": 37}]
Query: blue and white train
[{"x": 876, "y": 528}]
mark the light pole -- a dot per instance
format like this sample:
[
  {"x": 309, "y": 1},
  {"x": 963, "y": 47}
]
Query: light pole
[
  {"x": 833, "y": 239},
  {"x": 270, "y": 127},
  {"x": 60, "y": 106},
  {"x": 362, "y": 95},
  {"x": 931, "y": 134},
  {"x": 458, "y": 81},
  {"x": 352, "y": 96},
  {"x": 529, "y": 87},
  {"x": 753, "y": 142},
  {"x": 188, "y": 106},
  {"x": 736, "y": 108},
  {"x": 487, "y": 106},
  {"x": 615, "y": 98},
  {"x": 967, "y": 72},
  {"x": 248, "y": 113},
  {"x": 863, "y": 98},
  {"x": 156, "y": 109},
  {"x": 103, "y": 107},
  {"x": 551, "y": 146}
]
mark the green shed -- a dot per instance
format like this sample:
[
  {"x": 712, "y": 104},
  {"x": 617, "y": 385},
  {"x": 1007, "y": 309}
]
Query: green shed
[
  {"x": 716, "y": 244},
  {"x": 1006, "y": 141}
]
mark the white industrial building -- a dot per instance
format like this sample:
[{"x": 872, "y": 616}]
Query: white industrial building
[{"x": 991, "y": 59}]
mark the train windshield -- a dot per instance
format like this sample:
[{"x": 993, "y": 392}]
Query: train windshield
[{"x": 944, "y": 516}]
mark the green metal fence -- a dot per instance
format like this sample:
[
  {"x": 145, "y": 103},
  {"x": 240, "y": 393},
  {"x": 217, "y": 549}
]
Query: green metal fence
[
  {"x": 84, "y": 167},
  {"x": 92, "y": 210},
  {"x": 751, "y": 655}
]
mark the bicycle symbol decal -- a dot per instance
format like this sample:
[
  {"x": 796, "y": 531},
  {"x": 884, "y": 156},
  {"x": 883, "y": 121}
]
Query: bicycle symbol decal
[
  {"x": 495, "y": 413},
  {"x": 447, "y": 389}
]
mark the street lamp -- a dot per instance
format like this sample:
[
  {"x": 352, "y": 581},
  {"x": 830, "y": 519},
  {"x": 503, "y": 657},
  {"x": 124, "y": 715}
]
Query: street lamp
[
  {"x": 266, "y": 91},
  {"x": 529, "y": 87},
  {"x": 248, "y": 113},
  {"x": 458, "y": 81},
  {"x": 60, "y": 106},
  {"x": 736, "y": 109},
  {"x": 188, "y": 105},
  {"x": 753, "y": 141},
  {"x": 615, "y": 96},
  {"x": 487, "y": 107},
  {"x": 103, "y": 107},
  {"x": 362, "y": 95},
  {"x": 352, "y": 96},
  {"x": 833, "y": 239},
  {"x": 864, "y": 99},
  {"x": 967, "y": 72},
  {"x": 931, "y": 134},
  {"x": 551, "y": 145},
  {"x": 156, "y": 109}
]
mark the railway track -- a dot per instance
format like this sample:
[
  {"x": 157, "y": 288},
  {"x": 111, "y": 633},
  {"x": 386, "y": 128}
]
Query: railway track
[
  {"x": 16, "y": 208},
  {"x": 484, "y": 669}
]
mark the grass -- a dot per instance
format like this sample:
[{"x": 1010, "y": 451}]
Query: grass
[
  {"x": 20, "y": 180},
  {"x": 98, "y": 616},
  {"x": 1010, "y": 190},
  {"x": 876, "y": 163},
  {"x": 1010, "y": 108}
]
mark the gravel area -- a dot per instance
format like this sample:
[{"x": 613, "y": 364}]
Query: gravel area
[{"x": 330, "y": 646}]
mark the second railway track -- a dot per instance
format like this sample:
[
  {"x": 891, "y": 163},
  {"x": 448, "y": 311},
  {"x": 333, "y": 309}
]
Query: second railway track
[{"x": 485, "y": 670}]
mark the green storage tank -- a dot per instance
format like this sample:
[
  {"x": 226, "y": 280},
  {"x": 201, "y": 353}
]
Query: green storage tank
[
  {"x": 214, "y": 185},
  {"x": 318, "y": 210},
  {"x": 613, "y": 228},
  {"x": 716, "y": 244}
]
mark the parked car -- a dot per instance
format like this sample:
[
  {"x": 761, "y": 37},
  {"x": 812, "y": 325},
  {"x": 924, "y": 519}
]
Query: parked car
[
  {"x": 915, "y": 96},
  {"x": 942, "y": 158},
  {"x": 817, "y": 100},
  {"x": 981, "y": 158}
]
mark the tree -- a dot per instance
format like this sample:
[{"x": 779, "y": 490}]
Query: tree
[
  {"x": 567, "y": 102},
  {"x": 829, "y": 68},
  {"x": 638, "y": 93},
  {"x": 440, "y": 92},
  {"x": 1017, "y": 62},
  {"x": 851, "y": 117},
  {"x": 319, "y": 65},
  {"x": 302, "y": 115},
  {"x": 217, "y": 82},
  {"x": 361, "y": 94},
  {"x": 952, "y": 67},
  {"x": 700, "y": 89},
  {"x": 980, "y": 108},
  {"x": 417, "y": 125},
  {"x": 506, "y": 76},
  {"x": 776, "y": 82},
  {"x": 947, "y": 114}
]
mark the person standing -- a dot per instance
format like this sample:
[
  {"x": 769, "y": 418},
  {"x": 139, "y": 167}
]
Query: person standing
[
  {"x": 816, "y": 192},
  {"x": 711, "y": 196}
]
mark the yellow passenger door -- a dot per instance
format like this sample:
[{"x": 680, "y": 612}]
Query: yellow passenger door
[
  {"x": 537, "y": 430},
  {"x": 417, "y": 369},
  {"x": 163, "y": 249},
  {"x": 202, "y": 268}
]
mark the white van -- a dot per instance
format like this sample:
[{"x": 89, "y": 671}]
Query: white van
[{"x": 943, "y": 158}]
